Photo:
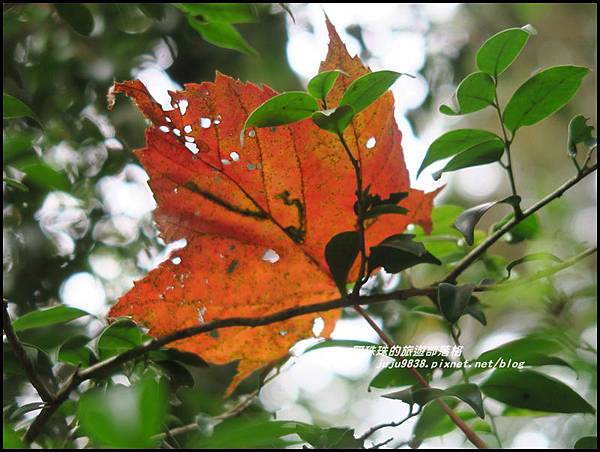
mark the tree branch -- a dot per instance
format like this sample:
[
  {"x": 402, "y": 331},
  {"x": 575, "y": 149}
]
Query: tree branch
[
  {"x": 154, "y": 344},
  {"x": 483, "y": 246},
  {"x": 22, "y": 357}
]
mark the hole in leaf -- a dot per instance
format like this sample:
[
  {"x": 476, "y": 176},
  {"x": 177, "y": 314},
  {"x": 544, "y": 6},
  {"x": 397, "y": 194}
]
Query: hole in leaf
[
  {"x": 176, "y": 260},
  {"x": 177, "y": 132},
  {"x": 371, "y": 142},
  {"x": 187, "y": 129},
  {"x": 192, "y": 148},
  {"x": 183, "y": 105},
  {"x": 318, "y": 326},
  {"x": 234, "y": 156},
  {"x": 204, "y": 123},
  {"x": 164, "y": 129},
  {"x": 270, "y": 256}
]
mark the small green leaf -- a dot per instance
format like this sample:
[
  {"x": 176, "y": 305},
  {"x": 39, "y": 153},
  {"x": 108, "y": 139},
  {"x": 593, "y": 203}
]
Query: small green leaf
[
  {"x": 475, "y": 309},
  {"x": 542, "y": 95},
  {"x": 75, "y": 351},
  {"x": 15, "y": 183},
  {"x": 455, "y": 142},
  {"x": 399, "y": 252},
  {"x": 480, "y": 154},
  {"x": 77, "y": 15},
  {"x": 42, "y": 175},
  {"x": 535, "y": 391},
  {"x": 498, "y": 53},
  {"x": 527, "y": 229},
  {"x": 14, "y": 146},
  {"x": 542, "y": 256},
  {"x": 10, "y": 438},
  {"x": 453, "y": 300},
  {"x": 229, "y": 13},
  {"x": 334, "y": 120},
  {"x": 13, "y": 108},
  {"x": 320, "y": 85},
  {"x": 340, "y": 253},
  {"x": 282, "y": 109},
  {"x": 474, "y": 93},
  {"x": 587, "y": 442},
  {"x": 119, "y": 337},
  {"x": 467, "y": 220},
  {"x": 393, "y": 376},
  {"x": 365, "y": 90},
  {"x": 222, "y": 35},
  {"x": 579, "y": 132},
  {"x": 470, "y": 394},
  {"x": 339, "y": 343},
  {"x": 153, "y": 10},
  {"x": 47, "y": 317},
  {"x": 124, "y": 417}
]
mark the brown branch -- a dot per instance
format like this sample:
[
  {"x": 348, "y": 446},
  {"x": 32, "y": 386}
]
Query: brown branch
[
  {"x": 488, "y": 242},
  {"x": 154, "y": 344},
  {"x": 22, "y": 357}
]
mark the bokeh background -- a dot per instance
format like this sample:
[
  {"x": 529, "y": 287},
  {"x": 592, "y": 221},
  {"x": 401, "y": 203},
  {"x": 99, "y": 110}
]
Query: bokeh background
[{"x": 83, "y": 232}]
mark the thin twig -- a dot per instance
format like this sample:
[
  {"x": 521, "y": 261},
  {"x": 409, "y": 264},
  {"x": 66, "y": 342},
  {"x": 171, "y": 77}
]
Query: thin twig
[
  {"x": 493, "y": 238},
  {"x": 154, "y": 344},
  {"x": 21, "y": 355},
  {"x": 372, "y": 430}
]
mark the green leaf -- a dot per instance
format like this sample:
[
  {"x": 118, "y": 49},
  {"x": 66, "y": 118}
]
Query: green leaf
[
  {"x": 13, "y": 108},
  {"x": 153, "y": 10},
  {"x": 475, "y": 309},
  {"x": 468, "y": 393},
  {"x": 334, "y": 120},
  {"x": 41, "y": 174},
  {"x": 341, "y": 252},
  {"x": 587, "y": 442},
  {"x": 579, "y": 132},
  {"x": 124, "y": 417},
  {"x": 247, "y": 432},
  {"x": 171, "y": 354},
  {"x": 339, "y": 343},
  {"x": 329, "y": 438},
  {"x": 474, "y": 93},
  {"x": 119, "y": 337},
  {"x": 77, "y": 15},
  {"x": 542, "y": 95},
  {"x": 453, "y": 300},
  {"x": 229, "y": 13},
  {"x": 455, "y": 142},
  {"x": 498, "y": 53},
  {"x": 75, "y": 351},
  {"x": 401, "y": 375},
  {"x": 14, "y": 146},
  {"x": 222, "y": 35},
  {"x": 542, "y": 256},
  {"x": 399, "y": 252},
  {"x": 320, "y": 85},
  {"x": 15, "y": 183},
  {"x": 10, "y": 438},
  {"x": 47, "y": 317},
  {"x": 467, "y": 220},
  {"x": 284, "y": 108},
  {"x": 535, "y": 391},
  {"x": 480, "y": 154},
  {"x": 385, "y": 209},
  {"x": 527, "y": 229},
  {"x": 365, "y": 90},
  {"x": 432, "y": 422}
]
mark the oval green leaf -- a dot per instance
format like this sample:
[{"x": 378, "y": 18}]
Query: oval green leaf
[
  {"x": 77, "y": 15},
  {"x": 13, "y": 108},
  {"x": 453, "y": 143},
  {"x": 474, "y": 93},
  {"x": 542, "y": 95},
  {"x": 119, "y": 337},
  {"x": 340, "y": 253},
  {"x": 222, "y": 35},
  {"x": 453, "y": 300},
  {"x": 535, "y": 391},
  {"x": 480, "y": 154},
  {"x": 320, "y": 85},
  {"x": 284, "y": 108},
  {"x": 365, "y": 90},
  {"x": 47, "y": 317},
  {"x": 497, "y": 53}
]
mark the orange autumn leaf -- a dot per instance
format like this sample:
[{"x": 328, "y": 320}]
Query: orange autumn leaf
[{"x": 257, "y": 218}]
